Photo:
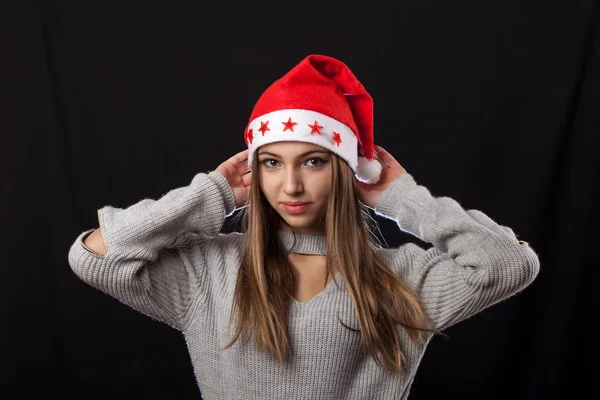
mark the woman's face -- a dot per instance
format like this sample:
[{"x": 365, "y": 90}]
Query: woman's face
[{"x": 296, "y": 172}]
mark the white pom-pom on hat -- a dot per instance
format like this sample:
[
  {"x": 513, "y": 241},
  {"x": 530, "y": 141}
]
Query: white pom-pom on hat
[{"x": 368, "y": 171}]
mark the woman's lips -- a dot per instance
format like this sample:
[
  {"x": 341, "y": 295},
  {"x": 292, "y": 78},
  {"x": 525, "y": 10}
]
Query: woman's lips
[{"x": 296, "y": 209}]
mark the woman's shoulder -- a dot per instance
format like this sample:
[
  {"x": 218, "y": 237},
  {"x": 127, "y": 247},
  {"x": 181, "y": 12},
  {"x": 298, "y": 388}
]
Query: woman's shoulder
[
  {"x": 230, "y": 241},
  {"x": 193, "y": 245},
  {"x": 219, "y": 256},
  {"x": 400, "y": 258}
]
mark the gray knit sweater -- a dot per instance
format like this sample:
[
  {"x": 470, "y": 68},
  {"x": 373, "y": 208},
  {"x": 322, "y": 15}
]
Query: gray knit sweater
[{"x": 167, "y": 259}]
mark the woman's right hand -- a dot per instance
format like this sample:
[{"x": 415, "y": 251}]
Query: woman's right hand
[{"x": 234, "y": 170}]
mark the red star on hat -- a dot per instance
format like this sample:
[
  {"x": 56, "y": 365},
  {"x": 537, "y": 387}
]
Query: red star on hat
[
  {"x": 336, "y": 138},
  {"x": 289, "y": 125},
  {"x": 264, "y": 127},
  {"x": 315, "y": 128}
]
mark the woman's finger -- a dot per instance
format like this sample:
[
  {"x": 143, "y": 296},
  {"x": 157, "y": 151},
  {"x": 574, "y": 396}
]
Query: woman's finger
[
  {"x": 239, "y": 157},
  {"x": 247, "y": 180},
  {"x": 385, "y": 156},
  {"x": 242, "y": 167},
  {"x": 382, "y": 152}
]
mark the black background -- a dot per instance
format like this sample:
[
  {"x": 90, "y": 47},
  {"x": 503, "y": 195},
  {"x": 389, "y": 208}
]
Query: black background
[{"x": 495, "y": 104}]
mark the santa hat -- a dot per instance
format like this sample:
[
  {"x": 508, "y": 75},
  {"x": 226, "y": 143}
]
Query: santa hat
[{"x": 318, "y": 101}]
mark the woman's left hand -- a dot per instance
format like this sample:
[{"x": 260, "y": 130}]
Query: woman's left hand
[{"x": 369, "y": 193}]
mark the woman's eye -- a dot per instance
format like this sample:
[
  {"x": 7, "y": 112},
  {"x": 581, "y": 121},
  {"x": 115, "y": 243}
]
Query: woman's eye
[
  {"x": 266, "y": 162},
  {"x": 319, "y": 161}
]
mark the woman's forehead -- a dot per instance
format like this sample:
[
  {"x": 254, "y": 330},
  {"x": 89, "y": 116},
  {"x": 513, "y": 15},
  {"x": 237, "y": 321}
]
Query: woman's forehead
[{"x": 290, "y": 148}]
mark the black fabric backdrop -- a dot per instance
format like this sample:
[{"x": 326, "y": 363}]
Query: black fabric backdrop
[{"x": 495, "y": 104}]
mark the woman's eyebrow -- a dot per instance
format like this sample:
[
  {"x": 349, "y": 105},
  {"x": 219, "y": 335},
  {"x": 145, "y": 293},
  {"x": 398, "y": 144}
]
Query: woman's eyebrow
[{"x": 299, "y": 156}]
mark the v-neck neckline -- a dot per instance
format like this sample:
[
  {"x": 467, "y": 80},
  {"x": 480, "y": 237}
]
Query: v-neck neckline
[{"x": 327, "y": 289}]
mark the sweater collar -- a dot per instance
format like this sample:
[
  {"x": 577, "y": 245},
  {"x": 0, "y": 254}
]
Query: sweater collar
[{"x": 303, "y": 243}]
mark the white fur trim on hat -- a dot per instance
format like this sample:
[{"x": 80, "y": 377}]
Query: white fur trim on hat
[{"x": 333, "y": 135}]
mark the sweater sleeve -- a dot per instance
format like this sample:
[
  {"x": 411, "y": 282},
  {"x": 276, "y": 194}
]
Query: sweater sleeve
[
  {"x": 148, "y": 265},
  {"x": 474, "y": 262}
]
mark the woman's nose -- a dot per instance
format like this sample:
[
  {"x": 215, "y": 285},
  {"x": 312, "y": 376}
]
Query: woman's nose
[{"x": 293, "y": 182}]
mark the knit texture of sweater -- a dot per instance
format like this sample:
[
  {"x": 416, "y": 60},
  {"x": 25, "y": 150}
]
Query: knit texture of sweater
[{"x": 168, "y": 259}]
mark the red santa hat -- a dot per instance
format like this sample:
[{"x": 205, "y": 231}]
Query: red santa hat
[{"x": 318, "y": 101}]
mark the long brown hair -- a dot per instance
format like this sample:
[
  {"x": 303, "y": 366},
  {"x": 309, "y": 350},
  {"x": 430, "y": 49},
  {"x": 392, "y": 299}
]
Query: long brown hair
[{"x": 265, "y": 281}]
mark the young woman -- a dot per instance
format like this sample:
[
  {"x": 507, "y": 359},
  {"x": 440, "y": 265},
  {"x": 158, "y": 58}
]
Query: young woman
[{"x": 303, "y": 303}]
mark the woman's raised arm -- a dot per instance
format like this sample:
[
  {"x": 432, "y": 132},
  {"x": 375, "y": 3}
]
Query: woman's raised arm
[{"x": 152, "y": 254}]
